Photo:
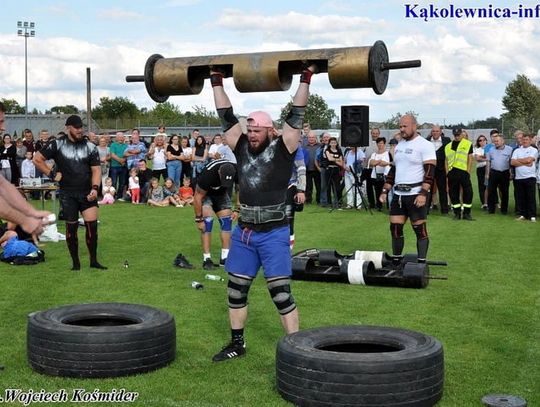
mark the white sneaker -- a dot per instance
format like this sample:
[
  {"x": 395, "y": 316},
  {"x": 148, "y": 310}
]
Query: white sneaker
[
  {"x": 533, "y": 219},
  {"x": 520, "y": 218}
]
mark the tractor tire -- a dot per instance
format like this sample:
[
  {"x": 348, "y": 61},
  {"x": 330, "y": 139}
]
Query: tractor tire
[
  {"x": 360, "y": 366},
  {"x": 100, "y": 340}
]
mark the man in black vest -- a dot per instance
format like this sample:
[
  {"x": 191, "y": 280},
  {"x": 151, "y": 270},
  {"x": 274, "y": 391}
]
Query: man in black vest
[
  {"x": 439, "y": 141},
  {"x": 262, "y": 236}
]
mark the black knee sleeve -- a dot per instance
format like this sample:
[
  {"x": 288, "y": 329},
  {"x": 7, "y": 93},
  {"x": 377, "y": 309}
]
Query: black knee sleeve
[
  {"x": 237, "y": 290},
  {"x": 72, "y": 241},
  {"x": 422, "y": 241},
  {"x": 91, "y": 238},
  {"x": 280, "y": 291},
  {"x": 396, "y": 230}
]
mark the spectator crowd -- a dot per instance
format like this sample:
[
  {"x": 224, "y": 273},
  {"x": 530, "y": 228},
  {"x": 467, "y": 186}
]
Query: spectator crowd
[{"x": 165, "y": 171}]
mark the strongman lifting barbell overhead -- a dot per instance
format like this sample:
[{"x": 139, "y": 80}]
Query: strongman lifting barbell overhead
[{"x": 353, "y": 67}]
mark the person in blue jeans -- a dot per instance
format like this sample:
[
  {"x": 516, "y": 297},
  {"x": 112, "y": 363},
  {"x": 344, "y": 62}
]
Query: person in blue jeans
[
  {"x": 261, "y": 238},
  {"x": 174, "y": 160}
]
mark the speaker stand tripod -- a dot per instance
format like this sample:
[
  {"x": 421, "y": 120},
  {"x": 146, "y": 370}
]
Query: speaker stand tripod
[{"x": 356, "y": 187}]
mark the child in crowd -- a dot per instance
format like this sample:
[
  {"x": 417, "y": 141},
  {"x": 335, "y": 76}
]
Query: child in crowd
[
  {"x": 186, "y": 192},
  {"x": 28, "y": 169},
  {"x": 108, "y": 192},
  {"x": 134, "y": 187},
  {"x": 155, "y": 194},
  {"x": 170, "y": 192}
]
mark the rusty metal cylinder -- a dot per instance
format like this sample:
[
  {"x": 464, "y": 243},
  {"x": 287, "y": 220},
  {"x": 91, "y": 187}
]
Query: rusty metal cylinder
[{"x": 353, "y": 67}]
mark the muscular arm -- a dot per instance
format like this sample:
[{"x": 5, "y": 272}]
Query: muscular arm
[
  {"x": 14, "y": 208},
  {"x": 41, "y": 164},
  {"x": 291, "y": 135},
  {"x": 198, "y": 198},
  {"x": 222, "y": 101}
]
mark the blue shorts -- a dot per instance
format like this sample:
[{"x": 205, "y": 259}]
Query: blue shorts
[{"x": 250, "y": 250}]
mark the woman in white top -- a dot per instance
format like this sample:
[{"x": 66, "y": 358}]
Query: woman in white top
[
  {"x": 481, "y": 161},
  {"x": 158, "y": 155},
  {"x": 104, "y": 159},
  {"x": 380, "y": 163}
]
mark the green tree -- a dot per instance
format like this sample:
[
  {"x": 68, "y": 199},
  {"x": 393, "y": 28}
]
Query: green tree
[
  {"x": 201, "y": 116},
  {"x": 116, "y": 108},
  {"x": 318, "y": 114},
  {"x": 522, "y": 103},
  {"x": 12, "y": 106},
  {"x": 393, "y": 122},
  {"x": 488, "y": 123},
  {"x": 66, "y": 109},
  {"x": 165, "y": 113}
]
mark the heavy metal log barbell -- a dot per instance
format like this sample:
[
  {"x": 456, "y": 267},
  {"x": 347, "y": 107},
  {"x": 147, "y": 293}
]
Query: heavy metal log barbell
[
  {"x": 361, "y": 267},
  {"x": 353, "y": 67}
]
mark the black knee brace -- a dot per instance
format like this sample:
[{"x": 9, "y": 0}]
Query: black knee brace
[
  {"x": 422, "y": 241},
  {"x": 237, "y": 289},
  {"x": 421, "y": 231},
  {"x": 280, "y": 291},
  {"x": 396, "y": 229}
]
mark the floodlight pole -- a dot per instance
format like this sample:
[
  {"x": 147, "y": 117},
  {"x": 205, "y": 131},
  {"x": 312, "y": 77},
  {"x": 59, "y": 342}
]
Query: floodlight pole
[{"x": 26, "y": 29}]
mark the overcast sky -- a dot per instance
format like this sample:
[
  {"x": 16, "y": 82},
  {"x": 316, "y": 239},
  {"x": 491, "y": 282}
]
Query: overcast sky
[{"x": 466, "y": 62}]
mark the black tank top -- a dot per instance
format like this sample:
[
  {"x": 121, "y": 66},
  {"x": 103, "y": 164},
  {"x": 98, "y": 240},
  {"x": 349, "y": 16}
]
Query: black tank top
[
  {"x": 74, "y": 160},
  {"x": 263, "y": 178}
]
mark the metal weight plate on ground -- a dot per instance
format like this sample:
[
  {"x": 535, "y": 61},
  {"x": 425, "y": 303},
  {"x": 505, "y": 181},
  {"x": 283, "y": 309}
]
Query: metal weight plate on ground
[
  {"x": 328, "y": 257},
  {"x": 416, "y": 275},
  {"x": 501, "y": 400},
  {"x": 301, "y": 265}
]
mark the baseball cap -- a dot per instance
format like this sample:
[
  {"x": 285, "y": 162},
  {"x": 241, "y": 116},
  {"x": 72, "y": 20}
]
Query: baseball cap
[
  {"x": 456, "y": 131},
  {"x": 74, "y": 121},
  {"x": 260, "y": 119},
  {"x": 227, "y": 174}
]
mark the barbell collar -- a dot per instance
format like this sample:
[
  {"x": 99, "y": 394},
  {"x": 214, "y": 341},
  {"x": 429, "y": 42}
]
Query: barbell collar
[
  {"x": 413, "y": 63},
  {"x": 135, "y": 78}
]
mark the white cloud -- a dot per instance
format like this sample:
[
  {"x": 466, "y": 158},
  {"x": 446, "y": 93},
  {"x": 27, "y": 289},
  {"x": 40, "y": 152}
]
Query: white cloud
[
  {"x": 465, "y": 64},
  {"x": 120, "y": 14},
  {"x": 477, "y": 73},
  {"x": 181, "y": 3},
  {"x": 304, "y": 28}
]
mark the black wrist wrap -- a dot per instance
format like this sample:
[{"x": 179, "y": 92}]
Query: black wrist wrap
[
  {"x": 305, "y": 76},
  {"x": 390, "y": 178},
  {"x": 216, "y": 79},
  {"x": 429, "y": 174}
]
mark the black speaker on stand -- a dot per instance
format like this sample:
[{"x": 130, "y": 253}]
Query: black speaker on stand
[
  {"x": 355, "y": 126},
  {"x": 355, "y": 133}
]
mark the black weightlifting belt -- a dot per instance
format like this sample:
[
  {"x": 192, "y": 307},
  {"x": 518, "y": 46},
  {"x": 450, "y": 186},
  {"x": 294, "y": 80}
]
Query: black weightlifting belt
[
  {"x": 406, "y": 187},
  {"x": 262, "y": 214}
]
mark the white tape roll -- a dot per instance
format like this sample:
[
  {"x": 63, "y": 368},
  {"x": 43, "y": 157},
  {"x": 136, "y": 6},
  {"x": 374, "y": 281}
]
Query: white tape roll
[
  {"x": 375, "y": 257},
  {"x": 355, "y": 272}
]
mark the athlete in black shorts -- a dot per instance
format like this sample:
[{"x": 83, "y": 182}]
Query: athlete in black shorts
[
  {"x": 412, "y": 177},
  {"x": 79, "y": 172},
  {"x": 211, "y": 198}
]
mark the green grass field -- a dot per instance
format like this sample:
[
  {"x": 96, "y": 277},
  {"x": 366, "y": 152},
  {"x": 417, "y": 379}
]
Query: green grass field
[{"x": 487, "y": 314}]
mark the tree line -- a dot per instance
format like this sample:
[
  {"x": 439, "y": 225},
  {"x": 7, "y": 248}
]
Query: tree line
[{"x": 521, "y": 102}]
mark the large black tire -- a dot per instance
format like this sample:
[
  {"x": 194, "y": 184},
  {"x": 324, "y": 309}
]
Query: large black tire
[
  {"x": 360, "y": 366},
  {"x": 100, "y": 340}
]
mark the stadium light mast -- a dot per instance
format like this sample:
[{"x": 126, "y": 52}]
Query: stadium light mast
[{"x": 26, "y": 29}]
